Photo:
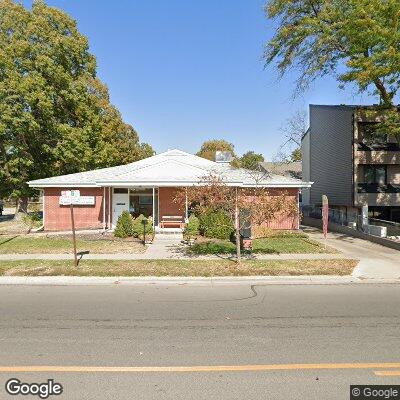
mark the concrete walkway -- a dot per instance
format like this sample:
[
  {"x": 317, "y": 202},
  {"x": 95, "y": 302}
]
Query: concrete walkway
[{"x": 376, "y": 261}]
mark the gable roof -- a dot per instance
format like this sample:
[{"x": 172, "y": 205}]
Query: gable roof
[
  {"x": 171, "y": 168},
  {"x": 292, "y": 169}
]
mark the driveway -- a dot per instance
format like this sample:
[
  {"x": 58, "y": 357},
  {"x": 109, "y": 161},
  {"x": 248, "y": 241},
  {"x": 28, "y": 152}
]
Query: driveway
[{"x": 376, "y": 261}]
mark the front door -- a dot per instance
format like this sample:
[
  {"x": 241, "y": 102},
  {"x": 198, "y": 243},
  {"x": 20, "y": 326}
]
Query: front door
[{"x": 120, "y": 203}]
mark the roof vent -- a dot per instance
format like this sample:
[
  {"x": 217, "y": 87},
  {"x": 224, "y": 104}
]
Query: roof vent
[{"x": 223, "y": 156}]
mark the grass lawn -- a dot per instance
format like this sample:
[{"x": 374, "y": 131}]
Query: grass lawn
[
  {"x": 25, "y": 244},
  {"x": 280, "y": 243},
  {"x": 177, "y": 268}
]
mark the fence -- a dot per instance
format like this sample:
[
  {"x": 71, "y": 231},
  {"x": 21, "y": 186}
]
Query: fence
[{"x": 354, "y": 220}]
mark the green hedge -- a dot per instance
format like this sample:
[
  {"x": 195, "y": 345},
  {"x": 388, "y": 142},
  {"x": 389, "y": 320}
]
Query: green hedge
[
  {"x": 192, "y": 228},
  {"x": 216, "y": 224},
  {"x": 124, "y": 226},
  {"x": 138, "y": 226}
]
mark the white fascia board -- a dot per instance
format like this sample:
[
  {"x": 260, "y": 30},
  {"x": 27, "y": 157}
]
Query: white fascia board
[
  {"x": 197, "y": 183},
  {"x": 66, "y": 185}
]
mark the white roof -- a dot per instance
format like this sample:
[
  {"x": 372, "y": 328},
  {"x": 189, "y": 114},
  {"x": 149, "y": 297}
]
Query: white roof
[{"x": 171, "y": 168}]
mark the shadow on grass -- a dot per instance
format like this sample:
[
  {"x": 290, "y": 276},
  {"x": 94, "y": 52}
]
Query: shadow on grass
[{"x": 8, "y": 240}]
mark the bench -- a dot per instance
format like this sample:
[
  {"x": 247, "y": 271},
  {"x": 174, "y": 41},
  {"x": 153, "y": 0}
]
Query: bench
[{"x": 171, "y": 220}]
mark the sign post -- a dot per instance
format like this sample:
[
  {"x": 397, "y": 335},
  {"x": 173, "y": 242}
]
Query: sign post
[
  {"x": 144, "y": 222},
  {"x": 69, "y": 197},
  {"x": 325, "y": 216}
]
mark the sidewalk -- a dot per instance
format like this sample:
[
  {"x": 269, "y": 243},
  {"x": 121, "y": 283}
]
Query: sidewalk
[{"x": 376, "y": 261}]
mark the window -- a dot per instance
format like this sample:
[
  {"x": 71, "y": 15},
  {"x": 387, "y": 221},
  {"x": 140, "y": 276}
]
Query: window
[
  {"x": 375, "y": 174},
  {"x": 145, "y": 200},
  {"x": 120, "y": 190}
]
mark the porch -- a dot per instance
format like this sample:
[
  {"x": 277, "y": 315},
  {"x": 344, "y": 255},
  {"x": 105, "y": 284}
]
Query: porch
[{"x": 155, "y": 202}]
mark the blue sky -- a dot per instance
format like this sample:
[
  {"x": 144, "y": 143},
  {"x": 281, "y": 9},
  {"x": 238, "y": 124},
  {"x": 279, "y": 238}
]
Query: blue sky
[{"x": 182, "y": 72}]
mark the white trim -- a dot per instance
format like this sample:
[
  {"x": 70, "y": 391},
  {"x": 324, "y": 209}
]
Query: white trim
[
  {"x": 43, "y": 207},
  {"x": 104, "y": 208},
  {"x": 109, "y": 208},
  {"x": 154, "y": 206}
]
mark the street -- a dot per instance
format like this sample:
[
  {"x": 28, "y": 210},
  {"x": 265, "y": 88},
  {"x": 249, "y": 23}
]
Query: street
[{"x": 191, "y": 326}]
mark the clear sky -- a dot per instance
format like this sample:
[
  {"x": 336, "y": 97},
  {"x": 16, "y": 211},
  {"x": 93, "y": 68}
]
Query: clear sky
[{"x": 182, "y": 72}]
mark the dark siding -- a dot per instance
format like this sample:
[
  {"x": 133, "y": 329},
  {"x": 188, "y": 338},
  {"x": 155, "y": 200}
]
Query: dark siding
[{"x": 331, "y": 149}]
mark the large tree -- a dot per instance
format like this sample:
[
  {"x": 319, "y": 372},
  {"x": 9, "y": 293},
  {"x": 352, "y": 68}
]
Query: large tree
[
  {"x": 209, "y": 147},
  {"x": 251, "y": 160},
  {"x": 357, "y": 40},
  {"x": 55, "y": 114}
]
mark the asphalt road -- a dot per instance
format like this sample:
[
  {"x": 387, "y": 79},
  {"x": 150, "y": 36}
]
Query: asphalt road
[{"x": 178, "y": 326}]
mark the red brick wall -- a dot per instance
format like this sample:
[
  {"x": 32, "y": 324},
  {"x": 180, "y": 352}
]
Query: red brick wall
[
  {"x": 58, "y": 217},
  {"x": 282, "y": 220},
  {"x": 166, "y": 203}
]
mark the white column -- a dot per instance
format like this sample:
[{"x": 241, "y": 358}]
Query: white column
[
  {"x": 109, "y": 208},
  {"x": 104, "y": 209},
  {"x": 154, "y": 206}
]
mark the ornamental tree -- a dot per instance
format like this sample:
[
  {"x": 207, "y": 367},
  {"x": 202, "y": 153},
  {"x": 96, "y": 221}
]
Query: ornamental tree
[{"x": 245, "y": 206}]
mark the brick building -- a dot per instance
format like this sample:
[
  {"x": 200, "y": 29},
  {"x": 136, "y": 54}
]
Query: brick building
[{"x": 148, "y": 187}]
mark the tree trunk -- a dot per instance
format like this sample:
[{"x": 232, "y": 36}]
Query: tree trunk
[
  {"x": 386, "y": 97},
  {"x": 237, "y": 230},
  {"x": 21, "y": 206}
]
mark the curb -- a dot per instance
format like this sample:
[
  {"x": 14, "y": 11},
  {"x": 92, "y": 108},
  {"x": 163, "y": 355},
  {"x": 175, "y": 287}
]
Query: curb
[{"x": 196, "y": 281}]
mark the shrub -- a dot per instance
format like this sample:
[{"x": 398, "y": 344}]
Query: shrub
[
  {"x": 192, "y": 227},
  {"x": 212, "y": 247},
  {"x": 124, "y": 226},
  {"x": 216, "y": 224},
  {"x": 33, "y": 220},
  {"x": 138, "y": 226}
]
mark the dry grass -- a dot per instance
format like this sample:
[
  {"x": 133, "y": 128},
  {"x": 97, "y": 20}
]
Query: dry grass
[
  {"x": 95, "y": 243},
  {"x": 205, "y": 268}
]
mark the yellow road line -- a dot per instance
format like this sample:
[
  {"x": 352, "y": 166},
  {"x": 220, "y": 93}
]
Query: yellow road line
[
  {"x": 387, "y": 373},
  {"x": 199, "y": 368}
]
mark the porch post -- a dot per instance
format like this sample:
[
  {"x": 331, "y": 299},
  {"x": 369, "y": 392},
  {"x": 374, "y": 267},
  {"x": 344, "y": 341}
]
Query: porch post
[
  {"x": 109, "y": 207},
  {"x": 104, "y": 208},
  {"x": 154, "y": 207},
  {"x": 186, "y": 205}
]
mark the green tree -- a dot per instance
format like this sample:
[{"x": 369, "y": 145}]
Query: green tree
[
  {"x": 295, "y": 155},
  {"x": 251, "y": 160},
  {"x": 55, "y": 114},
  {"x": 356, "y": 40},
  {"x": 209, "y": 148}
]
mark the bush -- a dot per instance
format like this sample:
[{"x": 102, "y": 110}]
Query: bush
[
  {"x": 212, "y": 247},
  {"x": 124, "y": 226},
  {"x": 192, "y": 227},
  {"x": 33, "y": 220},
  {"x": 138, "y": 226},
  {"x": 216, "y": 224}
]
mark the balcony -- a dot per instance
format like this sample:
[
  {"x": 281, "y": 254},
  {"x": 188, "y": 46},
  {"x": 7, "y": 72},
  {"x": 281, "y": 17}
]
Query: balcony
[
  {"x": 377, "y": 188},
  {"x": 377, "y": 157}
]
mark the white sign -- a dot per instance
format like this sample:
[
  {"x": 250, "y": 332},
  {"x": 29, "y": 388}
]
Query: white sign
[
  {"x": 70, "y": 193},
  {"x": 80, "y": 201}
]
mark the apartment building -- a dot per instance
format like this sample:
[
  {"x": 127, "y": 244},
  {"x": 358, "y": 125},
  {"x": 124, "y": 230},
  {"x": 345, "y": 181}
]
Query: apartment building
[{"x": 352, "y": 160}]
